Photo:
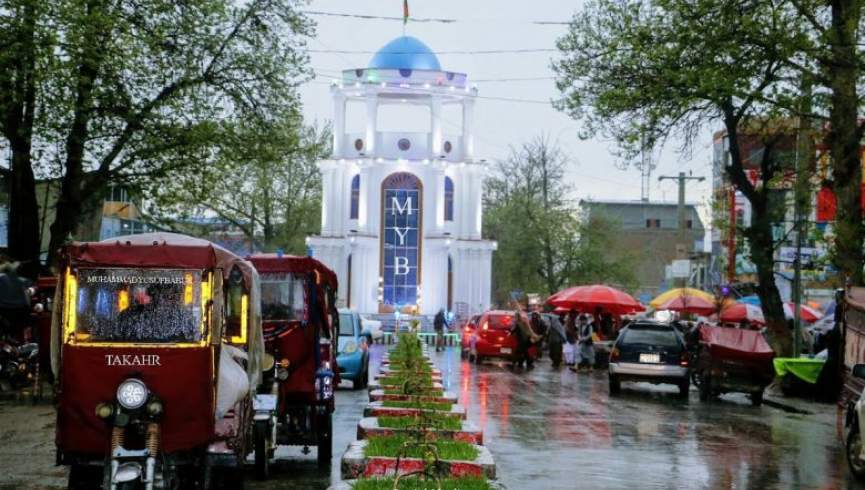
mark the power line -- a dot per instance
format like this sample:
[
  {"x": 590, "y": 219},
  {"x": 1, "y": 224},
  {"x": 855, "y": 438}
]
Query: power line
[
  {"x": 336, "y": 73},
  {"x": 463, "y": 52},
  {"x": 428, "y": 19}
]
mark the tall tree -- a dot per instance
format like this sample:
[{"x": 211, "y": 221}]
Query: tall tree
[
  {"x": 643, "y": 71},
  {"x": 24, "y": 41},
  {"x": 542, "y": 244},
  {"x": 139, "y": 89},
  {"x": 264, "y": 181}
]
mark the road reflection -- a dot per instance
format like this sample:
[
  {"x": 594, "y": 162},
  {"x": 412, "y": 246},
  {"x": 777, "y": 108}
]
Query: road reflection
[{"x": 555, "y": 428}]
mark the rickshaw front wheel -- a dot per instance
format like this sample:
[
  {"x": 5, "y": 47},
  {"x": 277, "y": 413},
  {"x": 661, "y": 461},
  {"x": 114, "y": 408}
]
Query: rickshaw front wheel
[
  {"x": 262, "y": 451},
  {"x": 325, "y": 439},
  {"x": 84, "y": 477}
]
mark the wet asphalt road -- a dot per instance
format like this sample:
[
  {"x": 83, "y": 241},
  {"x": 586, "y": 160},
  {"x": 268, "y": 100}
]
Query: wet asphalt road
[{"x": 549, "y": 430}]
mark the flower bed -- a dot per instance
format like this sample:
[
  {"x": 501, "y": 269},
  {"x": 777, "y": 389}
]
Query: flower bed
[
  {"x": 356, "y": 463},
  {"x": 452, "y": 428},
  {"x": 411, "y": 426},
  {"x": 440, "y": 396},
  {"x": 377, "y": 409}
]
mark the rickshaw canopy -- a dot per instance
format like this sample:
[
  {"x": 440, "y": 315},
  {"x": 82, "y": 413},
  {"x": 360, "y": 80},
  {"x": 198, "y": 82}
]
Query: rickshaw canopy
[
  {"x": 159, "y": 250},
  {"x": 270, "y": 262}
]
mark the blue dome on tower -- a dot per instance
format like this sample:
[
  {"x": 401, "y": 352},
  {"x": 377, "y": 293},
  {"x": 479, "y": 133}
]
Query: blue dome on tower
[{"x": 405, "y": 53}]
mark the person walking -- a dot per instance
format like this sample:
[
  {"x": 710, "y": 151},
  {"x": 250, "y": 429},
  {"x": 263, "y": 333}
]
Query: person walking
[
  {"x": 556, "y": 340},
  {"x": 570, "y": 346},
  {"x": 525, "y": 338},
  {"x": 586, "y": 345},
  {"x": 439, "y": 323}
]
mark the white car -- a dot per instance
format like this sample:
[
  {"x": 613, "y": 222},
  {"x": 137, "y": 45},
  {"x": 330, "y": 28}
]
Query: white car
[{"x": 372, "y": 326}]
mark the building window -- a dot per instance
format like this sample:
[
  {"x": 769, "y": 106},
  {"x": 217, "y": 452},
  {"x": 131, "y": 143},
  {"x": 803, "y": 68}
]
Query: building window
[
  {"x": 117, "y": 193},
  {"x": 653, "y": 223},
  {"x": 449, "y": 199},
  {"x": 355, "y": 196},
  {"x": 689, "y": 224}
]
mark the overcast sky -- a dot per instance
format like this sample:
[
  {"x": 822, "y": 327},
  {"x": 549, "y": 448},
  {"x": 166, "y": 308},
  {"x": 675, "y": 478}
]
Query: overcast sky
[{"x": 483, "y": 25}]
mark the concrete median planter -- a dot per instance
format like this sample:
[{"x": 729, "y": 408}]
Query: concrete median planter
[
  {"x": 379, "y": 395},
  {"x": 376, "y": 409},
  {"x": 368, "y": 427},
  {"x": 355, "y": 464}
]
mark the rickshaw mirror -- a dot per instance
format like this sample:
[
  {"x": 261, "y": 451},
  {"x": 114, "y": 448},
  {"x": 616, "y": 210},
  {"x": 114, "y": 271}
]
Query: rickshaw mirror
[{"x": 859, "y": 371}]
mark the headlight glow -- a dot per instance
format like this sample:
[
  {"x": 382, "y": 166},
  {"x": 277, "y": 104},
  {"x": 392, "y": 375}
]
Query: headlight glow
[
  {"x": 132, "y": 394},
  {"x": 350, "y": 348}
]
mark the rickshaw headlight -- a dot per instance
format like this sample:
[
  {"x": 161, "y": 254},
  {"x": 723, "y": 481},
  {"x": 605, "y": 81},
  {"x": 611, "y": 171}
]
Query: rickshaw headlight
[
  {"x": 154, "y": 408},
  {"x": 350, "y": 348},
  {"x": 132, "y": 394},
  {"x": 104, "y": 410}
]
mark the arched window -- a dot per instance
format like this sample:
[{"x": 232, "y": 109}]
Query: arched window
[
  {"x": 449, "y": 199},
  {"x": 355, "y": 196}
]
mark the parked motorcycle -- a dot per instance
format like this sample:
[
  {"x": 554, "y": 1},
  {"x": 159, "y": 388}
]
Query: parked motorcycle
[
  {"x": 19, "y": 364},
  {"x": 852, "y": 428}
]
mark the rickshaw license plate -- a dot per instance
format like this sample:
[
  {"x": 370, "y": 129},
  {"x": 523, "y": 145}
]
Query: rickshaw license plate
[
  {"x": 506, "y": 350},
  {"x": 650, "y": 358}
]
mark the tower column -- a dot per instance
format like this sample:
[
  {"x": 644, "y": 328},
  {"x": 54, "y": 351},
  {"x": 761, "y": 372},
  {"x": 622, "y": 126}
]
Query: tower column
[
  {"x": 436, "y": 126},
  {"x": 468, "y": 122},
  {"x": 339, "y": 102},
  {"x": 371, "y": 122}
]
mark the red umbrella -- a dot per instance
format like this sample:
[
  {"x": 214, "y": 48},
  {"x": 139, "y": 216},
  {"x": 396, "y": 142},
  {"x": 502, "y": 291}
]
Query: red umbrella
[
  {"x": 808, "y": 314},
  {"x": 587, "y": 298},
  {"x": 742, "y": 311},
  {"x": 689, "y": 304}
]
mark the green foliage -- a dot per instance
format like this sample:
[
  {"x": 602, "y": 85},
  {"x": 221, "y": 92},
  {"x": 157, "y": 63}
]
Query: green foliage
[
  {"x": 263, "y": 180},
  {"x": 393, "y": 446},
  {"x": 138, "y": 92},
  {"x": 542, "y": 243},
  {"x": 440, "y": 406},
  {"x": 644, "y": 71},
  {"x": 445, "y": 422},
  {"x": 409, "y": 483}
]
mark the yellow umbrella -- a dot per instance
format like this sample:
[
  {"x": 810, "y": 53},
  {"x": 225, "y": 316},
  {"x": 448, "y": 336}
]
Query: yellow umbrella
[{"x": 680, "y": 292}]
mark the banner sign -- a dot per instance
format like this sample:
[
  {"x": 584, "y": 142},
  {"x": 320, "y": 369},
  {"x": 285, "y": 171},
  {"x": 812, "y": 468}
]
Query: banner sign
[{"x": 401, "y": 247}]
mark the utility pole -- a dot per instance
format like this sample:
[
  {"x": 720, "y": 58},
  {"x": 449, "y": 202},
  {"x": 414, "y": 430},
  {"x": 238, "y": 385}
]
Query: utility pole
[
  {"x": 682, "y": 247},
  {"x": 804, "y": 154}
]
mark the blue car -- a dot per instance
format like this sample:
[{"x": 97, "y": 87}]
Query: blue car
[{"x": 353, "y": 344}]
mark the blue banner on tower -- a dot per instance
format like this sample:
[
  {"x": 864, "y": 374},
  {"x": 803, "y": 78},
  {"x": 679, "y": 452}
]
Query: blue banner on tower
[{"x": 401, "y": 217}]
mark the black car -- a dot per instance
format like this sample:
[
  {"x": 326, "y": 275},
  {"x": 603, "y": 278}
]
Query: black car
[{"x": 651, "y": 352}]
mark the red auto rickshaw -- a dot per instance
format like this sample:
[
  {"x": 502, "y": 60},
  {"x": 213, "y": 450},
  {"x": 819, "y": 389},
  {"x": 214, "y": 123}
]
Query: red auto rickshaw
[
  {"x": 156, "y": 349},
  {"x": 732, "y": 360},
  {"x": 298, "y": 305}
]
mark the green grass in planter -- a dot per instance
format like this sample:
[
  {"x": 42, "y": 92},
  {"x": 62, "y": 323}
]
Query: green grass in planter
[
  {"x": 443, "y": 406},
  {"x": 410, "y": 483},
  {"x": 398, "y": 380},
  {"x": 443, "y": 422},
  {"x": 392, "y": 446},
  {"x": 426, "y": 392}
]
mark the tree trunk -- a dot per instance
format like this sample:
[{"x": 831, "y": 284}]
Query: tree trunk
[
  {"x": 23, "y": 230},
  {"x": 70, "y": 203},
  {"x": 760, "y": 240},
  {"x": 845, "y": 139}
]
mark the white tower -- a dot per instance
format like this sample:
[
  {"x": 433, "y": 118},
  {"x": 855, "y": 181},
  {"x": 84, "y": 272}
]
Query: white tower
[{"x": 402, "y": 211}]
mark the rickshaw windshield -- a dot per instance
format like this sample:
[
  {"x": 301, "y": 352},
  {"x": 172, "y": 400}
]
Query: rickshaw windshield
[
  {"x": 283, "y": 296},
  {"x": 138, "y": 305}
]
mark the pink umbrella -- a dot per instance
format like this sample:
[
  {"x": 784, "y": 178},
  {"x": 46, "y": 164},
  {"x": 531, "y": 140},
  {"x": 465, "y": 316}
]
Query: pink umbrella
[
  {"x": 587, "y": 298},
  {"x": 740, "y": 312}
]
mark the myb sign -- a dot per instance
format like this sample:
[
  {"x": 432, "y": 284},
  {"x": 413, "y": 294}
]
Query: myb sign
[{"x": 401, "y": 216}]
